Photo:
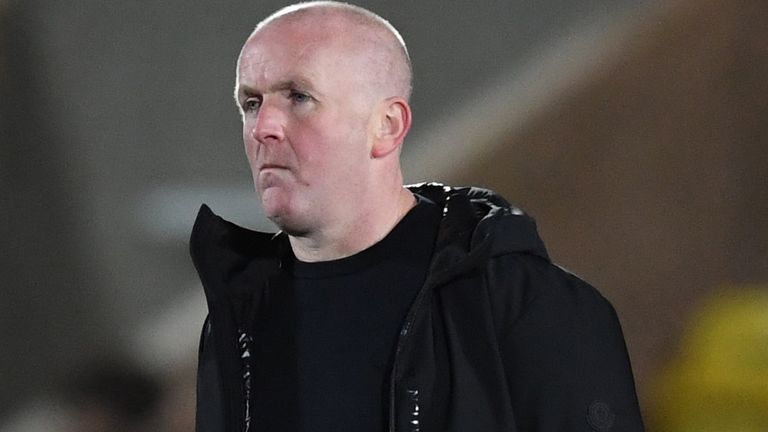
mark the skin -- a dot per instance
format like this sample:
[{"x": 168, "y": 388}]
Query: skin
[{"x": 325, "y": 112}]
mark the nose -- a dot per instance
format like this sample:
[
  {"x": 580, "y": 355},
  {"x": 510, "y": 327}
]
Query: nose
[{"x": 269, "y": 124}]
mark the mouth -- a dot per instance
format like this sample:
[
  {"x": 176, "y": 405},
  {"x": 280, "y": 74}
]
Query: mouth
[{"x": 269, "y": 166}]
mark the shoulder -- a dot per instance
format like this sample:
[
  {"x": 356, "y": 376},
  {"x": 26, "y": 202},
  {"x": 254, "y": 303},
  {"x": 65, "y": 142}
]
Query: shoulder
[
  {"x": 562, "y": 347},
  {"x": 522, "y": 284}
]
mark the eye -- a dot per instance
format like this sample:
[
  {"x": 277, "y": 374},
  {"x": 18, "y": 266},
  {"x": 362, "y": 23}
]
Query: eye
[
  {"x": 299, "y": 97},
  {"x": 251, "y": 104}
]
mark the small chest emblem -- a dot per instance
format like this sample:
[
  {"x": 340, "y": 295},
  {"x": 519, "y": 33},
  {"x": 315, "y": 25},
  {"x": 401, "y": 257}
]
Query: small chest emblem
[{"x": 600, "y": 417}]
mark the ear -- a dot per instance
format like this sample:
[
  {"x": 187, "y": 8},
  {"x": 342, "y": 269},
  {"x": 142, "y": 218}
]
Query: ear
[{"x": 392, "y": 125}]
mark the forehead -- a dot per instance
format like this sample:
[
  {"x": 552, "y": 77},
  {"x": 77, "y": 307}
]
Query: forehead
[{"x": 288, "y": 51}]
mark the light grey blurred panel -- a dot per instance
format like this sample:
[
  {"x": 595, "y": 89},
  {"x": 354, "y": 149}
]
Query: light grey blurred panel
[{"x": 166, "y": 213}]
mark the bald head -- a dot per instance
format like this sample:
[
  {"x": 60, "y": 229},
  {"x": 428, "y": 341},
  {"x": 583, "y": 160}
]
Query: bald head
[{"x": 366, "y": 35}]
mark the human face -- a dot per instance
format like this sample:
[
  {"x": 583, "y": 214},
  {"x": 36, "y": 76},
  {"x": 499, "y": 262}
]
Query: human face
[{"x": 306, "y": 123}]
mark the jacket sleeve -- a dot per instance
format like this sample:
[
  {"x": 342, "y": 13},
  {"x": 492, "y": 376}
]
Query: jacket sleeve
[
  {"x": 210, "y": 408},
  {"x": 564, "y": 354}
]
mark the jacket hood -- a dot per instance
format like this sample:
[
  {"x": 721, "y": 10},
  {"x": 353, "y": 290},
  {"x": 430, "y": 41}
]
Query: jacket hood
[
  {"x": 476, "y": 216},
  {"x": 477, "y": 223}
]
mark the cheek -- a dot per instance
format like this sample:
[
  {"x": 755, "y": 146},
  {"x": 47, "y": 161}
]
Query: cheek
[
  {"x": 250, "y": 145},
  {"x": 308, "y": 141},
  {"x": 327, "y": 145}
]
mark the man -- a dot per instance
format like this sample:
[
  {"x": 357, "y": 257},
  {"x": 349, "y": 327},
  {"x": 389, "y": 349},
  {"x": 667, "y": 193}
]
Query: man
[{"x": 379, "y": 307}]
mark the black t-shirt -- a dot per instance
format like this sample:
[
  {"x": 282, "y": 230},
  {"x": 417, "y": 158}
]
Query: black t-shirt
[{"x": 325, "y": 348}]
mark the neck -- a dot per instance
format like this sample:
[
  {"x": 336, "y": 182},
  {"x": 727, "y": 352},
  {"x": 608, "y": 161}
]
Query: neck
[{"x": 366, "y": 228}]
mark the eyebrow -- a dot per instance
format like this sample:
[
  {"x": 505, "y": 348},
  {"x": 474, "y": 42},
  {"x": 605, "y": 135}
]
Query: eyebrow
[{"x": 288, "y": 84}]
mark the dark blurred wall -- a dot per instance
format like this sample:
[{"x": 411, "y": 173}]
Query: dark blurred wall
[
  {"x": 46, "y": 290},
  {"x": 650, "y": 179}
]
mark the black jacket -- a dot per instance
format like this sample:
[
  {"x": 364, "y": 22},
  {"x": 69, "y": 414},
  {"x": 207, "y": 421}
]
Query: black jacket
[{"x": 498, "y": 339}]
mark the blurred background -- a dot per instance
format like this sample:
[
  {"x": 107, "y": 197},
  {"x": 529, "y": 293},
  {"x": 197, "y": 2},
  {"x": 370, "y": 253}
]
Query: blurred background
[{"x": 635, "y": 132}]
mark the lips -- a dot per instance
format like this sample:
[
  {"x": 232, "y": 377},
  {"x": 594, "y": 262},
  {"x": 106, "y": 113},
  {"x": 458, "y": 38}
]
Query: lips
[{"x": 272, "y": 166}]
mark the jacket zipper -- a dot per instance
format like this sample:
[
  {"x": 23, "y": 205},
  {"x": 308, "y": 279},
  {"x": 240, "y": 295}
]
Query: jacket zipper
[
  {"x": 430, "y": 284},
  {"x": 244, "y": 342},
  {"x": 405, "y": 333}
]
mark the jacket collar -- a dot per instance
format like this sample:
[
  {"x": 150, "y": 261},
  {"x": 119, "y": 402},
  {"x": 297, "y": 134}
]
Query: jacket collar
[
  {"x": 476, "y": 225},
  {"x": 221, "y": 252}
]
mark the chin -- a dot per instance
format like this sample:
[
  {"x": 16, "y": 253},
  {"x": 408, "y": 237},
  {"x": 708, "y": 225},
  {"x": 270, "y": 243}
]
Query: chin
[
  {"x": 275, "y": 204},
  {"x": 283, "y": 215},
  {"x": 289, "y": 226},
  {"x": 287, "y": 212}
]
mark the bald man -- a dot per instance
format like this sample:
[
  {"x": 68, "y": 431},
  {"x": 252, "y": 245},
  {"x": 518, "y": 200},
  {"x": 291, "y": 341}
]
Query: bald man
[{"x": 380, "y": 307}]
